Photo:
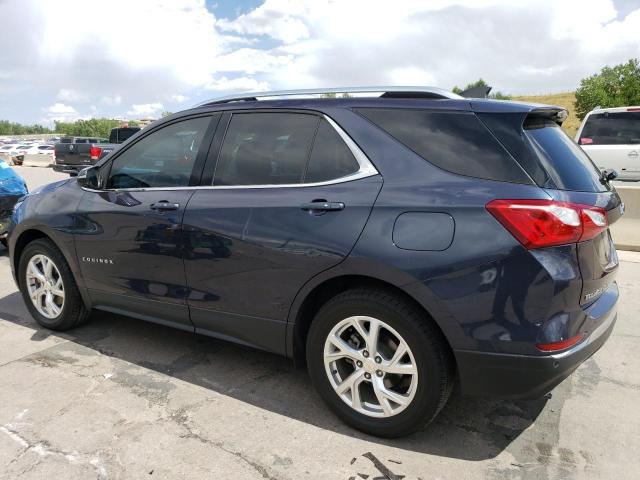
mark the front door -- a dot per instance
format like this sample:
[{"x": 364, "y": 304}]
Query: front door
[
  {"x": 129, "y": 242},
  {"x": 289, "y": 200}
]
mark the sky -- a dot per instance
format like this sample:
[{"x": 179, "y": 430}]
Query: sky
[{"x": 72, "y": 59}]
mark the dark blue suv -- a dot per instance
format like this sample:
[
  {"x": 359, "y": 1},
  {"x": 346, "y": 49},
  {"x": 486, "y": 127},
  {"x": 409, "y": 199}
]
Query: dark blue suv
[{"x": 397, "y": 240}]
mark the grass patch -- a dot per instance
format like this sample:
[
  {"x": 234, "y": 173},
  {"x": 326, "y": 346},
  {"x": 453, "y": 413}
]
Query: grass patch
[{"x": 565, "y": 100}]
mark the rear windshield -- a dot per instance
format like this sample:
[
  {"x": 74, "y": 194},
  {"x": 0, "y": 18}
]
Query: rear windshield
[
  {"x": 454, "y": 141},
  {"x": 122, "y": 134},
  {"x": 566, "y": 164},
  {"x": 609, "y": 128}
]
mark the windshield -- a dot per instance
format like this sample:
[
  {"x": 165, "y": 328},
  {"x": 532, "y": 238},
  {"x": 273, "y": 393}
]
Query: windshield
[
  {"x": 620, "y": 128},
  {"x": 565, "y": 162}
]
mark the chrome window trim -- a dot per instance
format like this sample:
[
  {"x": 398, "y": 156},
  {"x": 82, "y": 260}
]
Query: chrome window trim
[{"x": 366, "y": 170}]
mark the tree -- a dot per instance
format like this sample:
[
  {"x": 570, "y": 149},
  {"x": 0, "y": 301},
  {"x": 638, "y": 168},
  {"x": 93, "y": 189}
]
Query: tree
[
  {"x": 616, "y": 86},
  {"x": 94, "y": 127},
  {"x": 11, "y": 128},
  {"x": 497, "y": 95},
  {"x": 166, "y": 114}
]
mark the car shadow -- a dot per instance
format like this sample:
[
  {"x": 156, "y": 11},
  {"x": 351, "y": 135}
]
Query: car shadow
[{"x": 467, "y": 428}]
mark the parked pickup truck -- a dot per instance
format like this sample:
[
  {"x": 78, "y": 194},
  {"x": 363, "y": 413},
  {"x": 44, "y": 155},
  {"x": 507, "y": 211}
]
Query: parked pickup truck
[{"x": 76, "y": 153}]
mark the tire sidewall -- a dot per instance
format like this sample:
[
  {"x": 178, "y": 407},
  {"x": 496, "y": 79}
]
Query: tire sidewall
[{"x": 426, "y": 401}]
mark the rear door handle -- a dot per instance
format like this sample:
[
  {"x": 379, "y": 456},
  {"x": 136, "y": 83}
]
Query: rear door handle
[
  {"x": 322, "y": 206},
  {"x": 164, "y": 206}
]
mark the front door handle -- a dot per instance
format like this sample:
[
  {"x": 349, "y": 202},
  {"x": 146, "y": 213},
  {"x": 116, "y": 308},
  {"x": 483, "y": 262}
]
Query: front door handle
[
  {"x": 322, "y": 206},
  {"x": 164, "y": 206}
]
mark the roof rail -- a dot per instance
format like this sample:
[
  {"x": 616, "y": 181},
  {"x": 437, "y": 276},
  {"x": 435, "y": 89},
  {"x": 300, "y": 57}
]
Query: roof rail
[{"x": 383, "y": 92}]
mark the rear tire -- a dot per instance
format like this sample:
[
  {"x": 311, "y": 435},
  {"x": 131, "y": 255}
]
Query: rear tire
[
  {"x": 383, "y": 402},
  {"x": 57, "y": 303}
]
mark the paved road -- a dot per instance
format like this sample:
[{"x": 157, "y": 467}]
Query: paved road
[{"x": 120, "y": 398}]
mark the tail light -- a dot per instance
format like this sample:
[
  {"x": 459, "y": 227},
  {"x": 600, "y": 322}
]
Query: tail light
[
  {"x": 94, "y": 153},
  {"x": 561, "y": 345},
  {"x": 544, "y": 223}
]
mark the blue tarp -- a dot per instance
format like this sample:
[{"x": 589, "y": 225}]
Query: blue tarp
[{"x": 11, "y": 184}]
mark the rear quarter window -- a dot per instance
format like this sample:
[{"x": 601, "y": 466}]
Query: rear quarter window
[
  {"x": 454, "y": 141},
  {"x": 611, "y": 128}
]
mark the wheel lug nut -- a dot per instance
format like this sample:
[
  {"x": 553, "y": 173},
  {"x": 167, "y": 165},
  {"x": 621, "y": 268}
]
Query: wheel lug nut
[
  {"x": 379, "y": 373},
  {"x": 365, "y": 354},
  {"x": 367, "y": 376},
  {"x": 378, "y": 360},
  {"x": 359, "y": 363}
]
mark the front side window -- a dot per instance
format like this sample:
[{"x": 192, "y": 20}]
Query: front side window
[
  {"x": 265, "y": 149},
  {"x": 611, "y": 128},
  {"x": 164, "y": 158}
]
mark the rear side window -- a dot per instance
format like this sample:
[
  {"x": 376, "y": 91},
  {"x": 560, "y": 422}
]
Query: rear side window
[
  {"x": 565, "y": 162},
  {"x": 454, "y": 141},
  {"x": 265, "y": 149},
  {"x": 330, "y": 156},
  {"x": 611, "y": 128}
]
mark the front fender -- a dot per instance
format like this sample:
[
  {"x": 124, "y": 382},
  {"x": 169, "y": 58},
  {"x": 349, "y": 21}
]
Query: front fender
[{"x": 49, "y": 213}]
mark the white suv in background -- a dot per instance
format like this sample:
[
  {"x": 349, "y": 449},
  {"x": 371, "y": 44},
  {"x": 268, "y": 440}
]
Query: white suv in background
[{"x": 611, "y": 137}]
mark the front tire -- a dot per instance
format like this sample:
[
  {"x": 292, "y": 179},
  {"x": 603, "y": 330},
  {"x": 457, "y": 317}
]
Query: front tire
[
  {"x": 48, "y": 287},
  {"x": 378, "y": 362}
]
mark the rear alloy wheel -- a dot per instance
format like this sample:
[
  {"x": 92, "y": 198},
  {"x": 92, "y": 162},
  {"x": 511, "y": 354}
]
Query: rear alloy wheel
[
  {"x": 370, "y": 366},
  {"x": 379, "y": 362},
  {"x": 48, "y": 287}
]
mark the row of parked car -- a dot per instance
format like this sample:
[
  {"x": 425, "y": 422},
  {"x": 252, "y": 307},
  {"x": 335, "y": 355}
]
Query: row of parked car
[{"x": 14, "y": 152}]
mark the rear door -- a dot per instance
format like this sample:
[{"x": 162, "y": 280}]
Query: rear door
[
  {"x": 612, "y": 140},
  {"x": 290, "y": 195}
]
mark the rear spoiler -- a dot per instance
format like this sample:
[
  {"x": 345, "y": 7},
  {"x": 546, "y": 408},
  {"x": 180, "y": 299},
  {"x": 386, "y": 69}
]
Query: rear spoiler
[{"x": 556, "y": 114}]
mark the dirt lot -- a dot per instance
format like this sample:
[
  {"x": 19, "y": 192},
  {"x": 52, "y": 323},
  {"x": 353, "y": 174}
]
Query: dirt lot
[{"x": 120, "y": 398}]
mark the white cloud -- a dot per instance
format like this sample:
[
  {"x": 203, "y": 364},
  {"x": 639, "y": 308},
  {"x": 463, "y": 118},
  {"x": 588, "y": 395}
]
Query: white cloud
[
  {"x": 111, "y": 100},
  {"x": 237, "y": 84},
  {"x": 410, "y": 76},
  {"x": 60, "y": 112},
  {"x": 138, "y": 110},
  {"x": 70, "y": 95},
  {"x": 281, "y": 19},
  {"x": 164, "y": 46},
  {"x": 61, "y": 108},
  {"x": 178, "y": 98}
]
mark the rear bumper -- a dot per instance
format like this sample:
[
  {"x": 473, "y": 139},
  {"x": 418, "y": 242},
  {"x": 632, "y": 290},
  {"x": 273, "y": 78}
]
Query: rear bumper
[
  {"x": 61, "y": 167},
  {"x": 528, "y": 376}
]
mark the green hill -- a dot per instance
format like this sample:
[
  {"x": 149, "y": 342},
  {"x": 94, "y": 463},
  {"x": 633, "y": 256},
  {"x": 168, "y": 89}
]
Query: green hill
[{"x": 565, "y": 100}]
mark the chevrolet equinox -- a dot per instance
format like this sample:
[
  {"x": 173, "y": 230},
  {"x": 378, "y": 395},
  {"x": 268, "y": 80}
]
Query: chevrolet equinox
[{"x": 396, "y": 241}]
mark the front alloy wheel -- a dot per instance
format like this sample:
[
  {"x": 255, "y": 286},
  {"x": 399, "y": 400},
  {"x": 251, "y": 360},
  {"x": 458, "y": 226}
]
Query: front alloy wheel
[
  {"x": 370, "y": 366},
  {"x": 48, "y": 287},
  {"x": 45, "y": 286}
]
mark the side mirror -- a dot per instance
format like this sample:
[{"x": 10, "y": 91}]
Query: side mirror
[
  {"x": 90, "y": 178},
  {"x": 608, "y": 174}
]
